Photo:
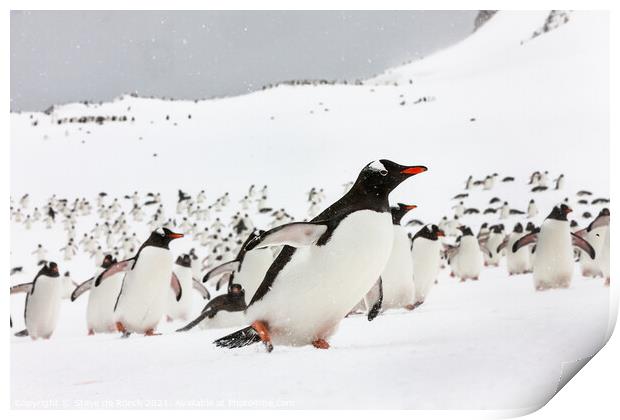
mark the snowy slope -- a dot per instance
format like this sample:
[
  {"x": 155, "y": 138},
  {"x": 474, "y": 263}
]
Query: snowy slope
[{"x": 502, "y": 102}]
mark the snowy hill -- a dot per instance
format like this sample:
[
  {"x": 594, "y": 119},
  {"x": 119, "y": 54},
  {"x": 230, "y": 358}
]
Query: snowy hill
[{"x": 499, "y": 101}]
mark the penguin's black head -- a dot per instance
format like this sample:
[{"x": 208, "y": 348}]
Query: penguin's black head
[
  {"x": 559, "y": 212},
  {"x": 161, "y": 238},
  {"x": 236, "y": 291},
  {"x": 604, "y": 212},
  {"x": 484, "y": 225},
  {"x": 497, "y": 229},
  {"x": 380, "y": 177},
  {"x": 108, "y": 260},
  {"x": 399, "y": 211},
  {"x": 184, "y": 260},
  {"x": 50, "y": 270},
  {"x": 466, "y": 231},
  {"x": 518, "y": 228},
  {"x": 430, "y": 232},
  {"x": 530, "y": 227},
  {"x": 573, "y": 224}
]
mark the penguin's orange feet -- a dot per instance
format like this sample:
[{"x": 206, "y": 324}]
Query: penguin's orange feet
[
  {"x": 263, "y": 332},
  {"x": 151, "y": 332},
  {"x": 91, "y": 332},
  {"x": 410, "y": 307},
  {"x": 320, "y": 344},
  {"x": 120, "y": 327}
]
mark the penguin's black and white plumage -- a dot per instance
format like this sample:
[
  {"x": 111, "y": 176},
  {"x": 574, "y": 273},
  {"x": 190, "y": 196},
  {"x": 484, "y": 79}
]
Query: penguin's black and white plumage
[
  {"x": 224, "y": 311},
  {"x": 493, "y": 239},
  {"x": 466, "y": 258},
  {"x": 326, "y": 265},
  {"x": 183, "y": 274},
  {"x": 397, "y": 276},
  {"x": 100, "y": 316},
  {"x": 596, "y": 234},
  {"x": 516, "y": 262},
  {"x": 141, "y": 302},
  {"x": 553, "y": 264},
  {"x": 426, "y": 257},
  {"x": 43, "y": 298}
]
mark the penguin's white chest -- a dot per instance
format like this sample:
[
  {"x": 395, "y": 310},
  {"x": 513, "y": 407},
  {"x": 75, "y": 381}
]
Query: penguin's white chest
[
  {"x": 426, "y": 263},
  {"x": 255, "y": 265},
  {"x": 100, "y": 315},
  {"x": 43, "y": 306},
  {"x": 553, "y": 266},
  {"x": 397, "y": 276},
  {"x": 142, "y": 301},
  {"x": 321, "y": 284},
  {"x": 468, "y": 261}
]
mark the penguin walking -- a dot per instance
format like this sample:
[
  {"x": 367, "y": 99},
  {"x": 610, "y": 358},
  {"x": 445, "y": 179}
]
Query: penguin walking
[
  {"x": 516, "y": 262},
  {"x": 100, "y": 316},
  {"x": 596, "y": 234},
  {"x": 141, "y": 303},
  {"x": 224, "y": 311},
  {"x": 466, "y": 258},
  {"x": 326, "y": 266},
  {"x": 182, "y": 308},
  {"x": 397, "y": 276},
  {"x": 426, "y": 260},
  {"x": 553, "y": 264},
  {"x": 493, "y": 240},
  {"x": 43, "y": 298}
]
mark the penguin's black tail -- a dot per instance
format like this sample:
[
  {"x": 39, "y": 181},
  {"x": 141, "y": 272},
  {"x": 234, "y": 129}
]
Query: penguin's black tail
[{"x": 240, "y": 338}]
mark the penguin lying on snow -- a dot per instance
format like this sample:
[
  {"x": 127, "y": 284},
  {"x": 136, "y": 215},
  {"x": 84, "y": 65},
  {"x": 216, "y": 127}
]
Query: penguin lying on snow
[
  {"x": 223, "y": 311},
  {"x": 339, "y": 254},
  {"x": 43, "y": 297},
  {"x": 141, "y": 302},
  {"x": 553, "y": 264}
]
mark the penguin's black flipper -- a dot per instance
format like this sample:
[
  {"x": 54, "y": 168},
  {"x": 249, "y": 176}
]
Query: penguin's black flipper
[
  {"x": 502, "y": 245},
  {"x": 201, "y": 289},
  {"x": 581, "y": 243},
  {"x": 296, "y": 234},
  {"x": 175, "y": 284},
  {"x": 530, "y": 238},
  {"x": 240, "y": 338},
  {"x": 87, "y": 285},
  {"x": 227, "y": 267},
  {"x": 22, "y": 333},
  {"x": 195, "y": 322},
  {"x": 21, "y": 288},
  {"x": 115, "y": 268},
  {"x": 374, "y": 295}
]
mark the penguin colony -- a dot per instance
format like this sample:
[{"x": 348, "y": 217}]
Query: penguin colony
[{"x": 293, "y": 282}]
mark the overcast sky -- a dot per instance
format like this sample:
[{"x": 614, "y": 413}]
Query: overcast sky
[{"x": 65, "y": 56}]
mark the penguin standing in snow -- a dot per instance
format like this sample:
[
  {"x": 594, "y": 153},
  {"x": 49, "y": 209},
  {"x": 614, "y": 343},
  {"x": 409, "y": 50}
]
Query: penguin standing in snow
[
  {"x": 516, "y": 262},
  {"x": 426, "y": 258},
  {"x": 466, "y": 258},
  {"x": 141, "y": 303},
  {"x": 43, "y": 298},
  {"x": 553, "y": 264},
  {"x": 326, "y": 266},
  {"x": 493, "y": 240},
  {"x": 100, "y": 317},
  {"x": 182, "y": 308},
  {"x": 595, "y": 234},
  {"x": 397, "y": 276}
]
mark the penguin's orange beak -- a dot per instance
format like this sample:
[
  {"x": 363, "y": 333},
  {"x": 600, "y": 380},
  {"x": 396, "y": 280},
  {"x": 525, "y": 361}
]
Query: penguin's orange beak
[
  {"x": 414, "y": 170},
  {"x": 567, "y": 210},
  {"x": 410, "y": 206},
  {"x": 173, "y": 235},
  {"x": 440, "y": 233}
]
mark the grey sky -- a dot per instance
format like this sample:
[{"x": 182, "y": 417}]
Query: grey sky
[{"x": 65, "y": 56}]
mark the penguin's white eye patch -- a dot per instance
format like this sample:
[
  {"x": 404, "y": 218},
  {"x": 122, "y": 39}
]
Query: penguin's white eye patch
[
  {"x": 378, "y": 166},
  {"x": 160, "y": 231}
]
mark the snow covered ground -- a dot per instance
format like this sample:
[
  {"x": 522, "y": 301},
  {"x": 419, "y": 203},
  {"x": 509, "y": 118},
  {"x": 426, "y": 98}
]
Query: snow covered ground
[{"x": 497, "y": 102}]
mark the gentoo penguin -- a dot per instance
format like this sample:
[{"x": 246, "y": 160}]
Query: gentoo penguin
[
  {"x": 532, "y": 210},
  {"x": 466, "y": 257},
  {"x": 249, "y": 267},
  {"x": 100, "y": 317},
  {"x": 43, "y": 297},
  {"x": 595, "y": 234},
  {"x": 553, "y": 264},
  {"x": 182, "y": 308},
  {"x": 141, "y": 303},
  {"x": 516, "y": 262},
  {"x": 326, "y": 266},
  {"x": 426, "y": 258},
  {"x": 397, "y": 276},
  {"x": 494, "y": 239},
  {"x": 223, "y": 311}
]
